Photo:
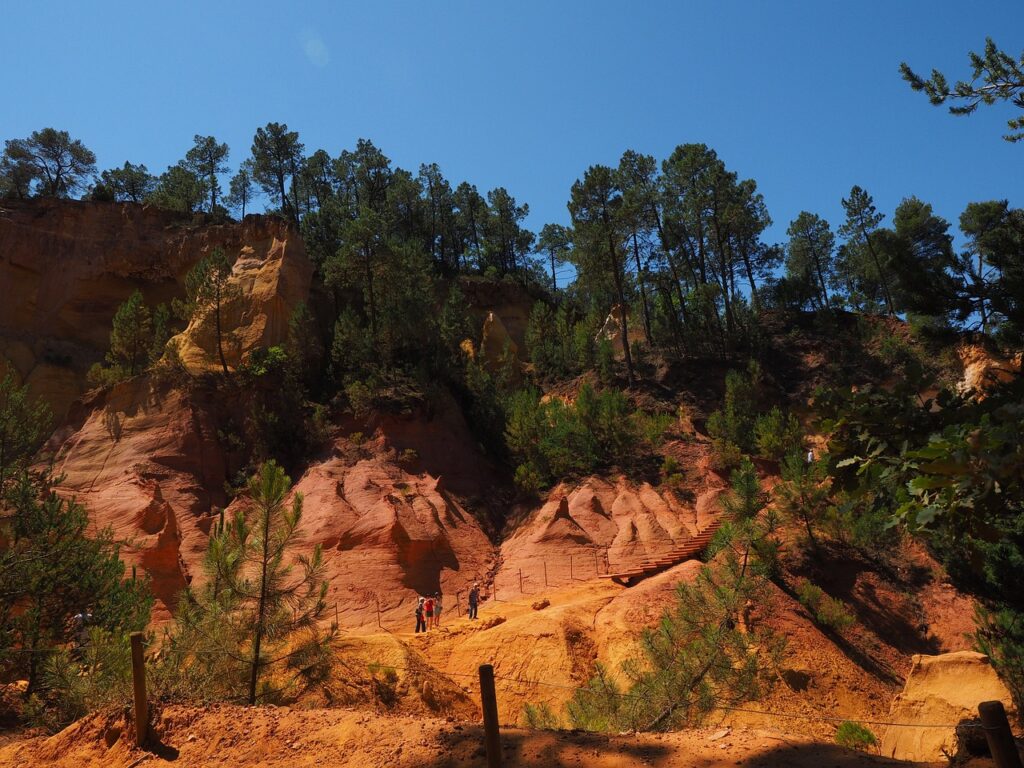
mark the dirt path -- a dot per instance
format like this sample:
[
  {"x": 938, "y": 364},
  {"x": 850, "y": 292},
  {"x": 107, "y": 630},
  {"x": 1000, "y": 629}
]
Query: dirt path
[{"x": 268, "y": 736}]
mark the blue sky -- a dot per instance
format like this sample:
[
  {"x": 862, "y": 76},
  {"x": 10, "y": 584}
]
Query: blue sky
[{"x": 804, "y": 97}]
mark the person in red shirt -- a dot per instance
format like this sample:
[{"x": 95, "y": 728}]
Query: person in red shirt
[{"x": 428, "y": 608}]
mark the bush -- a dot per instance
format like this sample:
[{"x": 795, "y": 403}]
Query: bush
[
  {"x": 672, "y": 472},
  {"x": 734, "y": 421},
  {"x": 855, "y": 736},
  {"x": 725, "y": 455},
  {"x": 776, "y": 434},
  {"x": 98, "y": 675},
  {"x": 385, "y": 684},
  {"x": 554, "y": 440},
  {"x": 605, "y": 361},
  {"x": 826, "y": 610},
  {"x": 541, "y": 717}
]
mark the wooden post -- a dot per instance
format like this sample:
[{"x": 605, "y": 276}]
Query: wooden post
[
  {"x": 545, "y": 572},
  {"x": 139, "y": 686},
  {"x": 489, "y": 705},
  {"x": 571, "y": 577},
  {"x": 336, "y": 622},
  {"x": 520, "y": 581},
  {"x": 597, "y": 569},
  {"x": 458, "y": 608},
  {"x": 377, "y": 598},
  {"x": 997, "y": 733}
]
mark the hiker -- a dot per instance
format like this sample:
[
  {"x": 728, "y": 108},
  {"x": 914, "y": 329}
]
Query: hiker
[
  {"x": 810, "y": 455},
  {"x": 428, "y": 608},
  {"x": 437, "y": 610},
  {"x": 421, "y": 624},
  {"x": 474, "y": 599}
]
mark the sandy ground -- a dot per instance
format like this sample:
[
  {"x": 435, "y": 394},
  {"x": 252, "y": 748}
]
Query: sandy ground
[{"x": 267, "y": 736}]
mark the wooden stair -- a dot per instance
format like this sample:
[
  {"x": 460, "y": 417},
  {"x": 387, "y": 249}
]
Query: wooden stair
[{"x": 652, "y": 564}]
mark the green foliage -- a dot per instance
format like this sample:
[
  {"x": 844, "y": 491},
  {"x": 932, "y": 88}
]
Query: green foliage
[
  {"x": 132, "y": 335},
  {"x": 605, "y": 360},
  {"x": 49, "y": 163},
  {"x": 855, "y": 736},
  {"x": 734, "y": 422},
  {"x": 541, "y": 717},
  {"x": 999, "y": 634},
  {"x": 672, "y": 472},
  {"x": 279, "y": 424},
  {"x": 276, "y": 154},
  {"x": 130, "y": 183},
  {"x": 178, "y": 189},
  {"x": 810, "y": 268},
  {"x": 206, "y": 159},
  {"x": 241, "y": 189},
  {"x": 385, "y": 684},
  {"x": 255, "y": 626},
  {"x": 96, "y": 676},
  {"x": 53, "y": 568},
  {"x": 207, "y": 288},
  {"x": 863, "y": 265},
  {"x": 949, "y": 467},
  {"x": 804, "y": 494},
  {"x": 704, "y": 652},
  {"x": 777, "y": 434},
  {"x": 995, "y": 76},
  {"x": 826, "y": 610},
  {"x": 553, "y": 440},
  {"x": 23, "y": 423}
]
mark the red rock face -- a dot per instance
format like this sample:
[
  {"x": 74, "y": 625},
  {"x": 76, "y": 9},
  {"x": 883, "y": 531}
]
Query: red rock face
[
  {"x": 387, "y": 536},
  {"x": 66, "y": 266},
  {"x": 144, "y": 460}
]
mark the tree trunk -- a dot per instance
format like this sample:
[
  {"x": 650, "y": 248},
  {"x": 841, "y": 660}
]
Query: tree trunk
[
  {"x": 643, "y": 292},
  {"x": 260, "y": 610},
  {"x": 881, "y": 275},
  {"x": 821, "y": 277},
  {"x": 750, "y": 279},
  {"x": 616, "y": 273},
  {"x": 220, "y": 342},
  {"x": 981, "y": 295}
]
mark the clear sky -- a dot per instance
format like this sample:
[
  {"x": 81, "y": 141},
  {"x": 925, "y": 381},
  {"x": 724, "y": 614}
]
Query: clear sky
[{"x": 804, "y": 97}]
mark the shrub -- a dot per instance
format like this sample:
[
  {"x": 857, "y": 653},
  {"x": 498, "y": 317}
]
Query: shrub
[
  {"x": 826, "y": 610},
  {"x": 672, "y": 471},
  {"x": 96, "y": 676},
  {"x": 541, "y": 717},
  {"x": 552, "y": 439},
  {"x": 855, "y": 736},
  {"x": 734, "y": 421},
  {"x": 776, "y": 434},
  {"x": 725, "y": 455},
  {"x": 605, "y": 361},
  {"x": 385, "y": 684},
  {"x": 360, "y": 397}
]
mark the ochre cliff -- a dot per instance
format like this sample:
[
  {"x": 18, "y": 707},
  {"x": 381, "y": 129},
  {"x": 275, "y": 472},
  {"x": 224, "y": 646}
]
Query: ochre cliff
[{"x": 66, "y": 266}]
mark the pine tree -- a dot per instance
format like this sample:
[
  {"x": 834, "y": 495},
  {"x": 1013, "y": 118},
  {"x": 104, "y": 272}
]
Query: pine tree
[
  {"x": 22, "y": 425},
  {"x": 995, "y": 76},
  {"x": 61, "y": 569},
  {"x": 206, "y": 159},
  {"x": 207, "y": 288},
  {"x": 132, "y": 335},
  {"x": 862, "y": 260},
  {"x": 705, "y": 652},
  {"x": 804, "y": 494},
  {"x": 274, "y": 610}
]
